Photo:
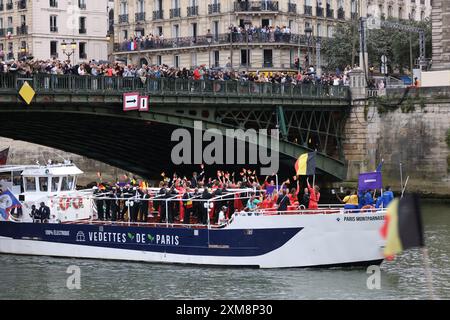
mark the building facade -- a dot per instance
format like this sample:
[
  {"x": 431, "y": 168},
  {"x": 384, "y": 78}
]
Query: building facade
[
  {"x": 441, "y": 35},
  {"x": 39, "y": 28},
  {"x": 194, "y": 32},
  {"x": 417, "y": 10}
]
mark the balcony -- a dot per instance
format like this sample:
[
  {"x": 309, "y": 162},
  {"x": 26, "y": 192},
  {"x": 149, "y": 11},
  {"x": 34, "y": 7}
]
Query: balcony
[
  {"x": 330, "y": 13},
  {"x": 123, "y": 18},
  {"x": 175, "y": 13},
  {"x": 22, "y": 5},
  {"x": 192, "y": 11},
  {"x": 53, "y": 29},
  {"x": 82, "y": 30},
  {"x": 255, "y": 6},
  {"x": 158, "y": 14},
  {"x": 319, "y": 12},
  {"x": 292, "y": 7},
  {"x": 214, "y": 8},
  {"x": 308, "y": 10},
  {"x": 140, "y": 16},
  {"x": 22, "y": 30},
  {"x": 9, "y": 6},
  {"x": 341, "y": 14}
]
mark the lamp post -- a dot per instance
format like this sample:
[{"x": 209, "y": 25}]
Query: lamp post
[
  {"x": 73, "y": 46},
  {"x": 247, "y": 24},
  {"x": 209, "y": 38}
]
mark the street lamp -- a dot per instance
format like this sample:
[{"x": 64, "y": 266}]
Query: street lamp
[
  {"x": 73, "y": 46},
  {"x": 247, "y": 24},
  {"x": 209, "y": 38}
]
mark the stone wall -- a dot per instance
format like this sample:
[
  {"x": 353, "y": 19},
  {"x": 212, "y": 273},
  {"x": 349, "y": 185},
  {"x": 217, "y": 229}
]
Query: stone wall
[
  {"x": 415, "y": 134},
  {"x": 27, "y": 153}
]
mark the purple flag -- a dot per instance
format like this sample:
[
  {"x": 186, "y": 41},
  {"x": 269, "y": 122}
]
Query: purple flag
[{"x": 370, "y": 180}]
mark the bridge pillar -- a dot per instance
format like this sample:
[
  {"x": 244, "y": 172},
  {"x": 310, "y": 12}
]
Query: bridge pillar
[{"x": 356, "y": 133}]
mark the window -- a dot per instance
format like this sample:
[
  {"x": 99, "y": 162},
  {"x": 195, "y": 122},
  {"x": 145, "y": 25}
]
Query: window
[
  {"x": 176, "y": 31},
  {"x": 67, "y": 183},
  {"x": 53, "y": 48},
  {"x": 422, "y": 15},
  {"x": 216, "y": 30},
  {"x": 82, "y": 50},
  {"x": 216, "y": 59},
  {"x": 125, "y": 34},
  {"x": 193, "y": 59},
  {"x": 54, "y": 184},
  {"x": 159, "y": 60},
  {"x": 319, "y": 30},
  {"x": 43, "y": 184},
  {"x": 53, "y": 24},
  {"x": 82, "y": 4},
  {"x": 176, "y": 61},
  {"x": 245, "y": 57},
  {"x": 267, "y": 54},
  {"x": 53, "y": 4},
  {"x": 400, "y": 13},
  {"x": 30, "y": 184},
  {"x": 389, "y": 11},
  {"x": 123, "y": 7},
  {"x": 159, "y": 31},
  {"x": 140, "y": 6},
  {"x": 23, "y": 20},
  {"x": 10, "y": 22},
  {"x": 330, "y": 31},
  {"x": 83, "y": 25}
]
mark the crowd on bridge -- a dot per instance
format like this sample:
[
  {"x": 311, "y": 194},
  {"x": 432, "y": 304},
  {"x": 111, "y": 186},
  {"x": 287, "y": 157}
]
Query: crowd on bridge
[
  {"x": 27, "y": 68},
  {"x": 133, "y": 199}
]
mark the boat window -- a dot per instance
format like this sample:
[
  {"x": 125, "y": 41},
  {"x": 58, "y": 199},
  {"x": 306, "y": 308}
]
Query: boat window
[
  {"x": 71, "y": 182},
  {"x": 30, "y": 183},
  {"x": 55, "y": 182},
  {"x": 65, "y": 186},
  {"x": 43, "y": 184}
]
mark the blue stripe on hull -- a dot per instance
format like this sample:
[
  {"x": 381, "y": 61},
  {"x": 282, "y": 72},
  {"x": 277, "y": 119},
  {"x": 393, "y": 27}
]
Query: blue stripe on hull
[{"x": 213, "y": 242}]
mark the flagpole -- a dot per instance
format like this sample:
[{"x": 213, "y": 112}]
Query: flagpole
[{"x": 426, "y": 262}]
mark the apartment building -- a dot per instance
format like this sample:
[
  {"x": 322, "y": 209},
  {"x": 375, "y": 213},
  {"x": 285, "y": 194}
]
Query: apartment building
[
  {"x": 196, "y": 32},
  {"x": 65, "y": 29}
]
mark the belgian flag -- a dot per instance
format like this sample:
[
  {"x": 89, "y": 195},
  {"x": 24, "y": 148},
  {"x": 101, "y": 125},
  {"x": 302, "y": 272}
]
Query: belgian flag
[
  {"x": 306, "y": 164},
  {"x": 403, "y": 227}
]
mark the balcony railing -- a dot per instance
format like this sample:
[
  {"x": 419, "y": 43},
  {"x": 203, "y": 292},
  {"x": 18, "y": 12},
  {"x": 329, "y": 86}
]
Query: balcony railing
[
  {"x": 292, "y": 7},
  {"x": 330, "y": 13},
  {"x": 214, "y": 8},
  {"x": 225, "y": 39},
  {"x": 82, "y": 31},
  {"x": 319, "y": 11},
  {"x": 123, "y": 18},
  {"x": 256, "y": 6},
  {"x": 9, "y": 6},
  {"x": 192, "y": 11},
  {"x": 140, "y": 16},
  {"x": 21, "y": 5},
  {"x": 341, "y": 14},
  {"x": 308, "y": 10},
  {"x": 354, "y": 15},
  {"x": 158, "y": 14},
  {"x": 175, "y": 13},
  {"x": 53, "y": 29},
  {"x": 22, "y": 30}
]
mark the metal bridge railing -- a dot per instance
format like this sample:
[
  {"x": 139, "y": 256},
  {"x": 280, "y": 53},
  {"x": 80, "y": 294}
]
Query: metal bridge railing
[{"x": 73, "y": 84}]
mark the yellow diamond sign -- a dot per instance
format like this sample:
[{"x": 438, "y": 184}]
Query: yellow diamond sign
[{"x": 27, "y": 93}]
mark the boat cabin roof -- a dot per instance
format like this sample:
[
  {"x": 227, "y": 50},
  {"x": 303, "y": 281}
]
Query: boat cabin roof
[{"x": 40, "y": 171}]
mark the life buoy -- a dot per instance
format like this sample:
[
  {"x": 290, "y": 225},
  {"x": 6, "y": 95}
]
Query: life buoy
[
  {"x": 77, "y": 203},
  {"x": 368, "y": 208},
  {"x": 64, "y": 203}
]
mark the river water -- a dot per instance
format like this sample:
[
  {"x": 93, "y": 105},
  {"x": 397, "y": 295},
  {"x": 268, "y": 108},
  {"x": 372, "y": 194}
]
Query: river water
[{"x": 26, "y": 277}]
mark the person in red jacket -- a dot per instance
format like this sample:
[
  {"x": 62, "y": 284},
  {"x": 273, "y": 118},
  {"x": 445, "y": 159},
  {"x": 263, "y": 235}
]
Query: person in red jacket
[{"x": 314, "y": 196}]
